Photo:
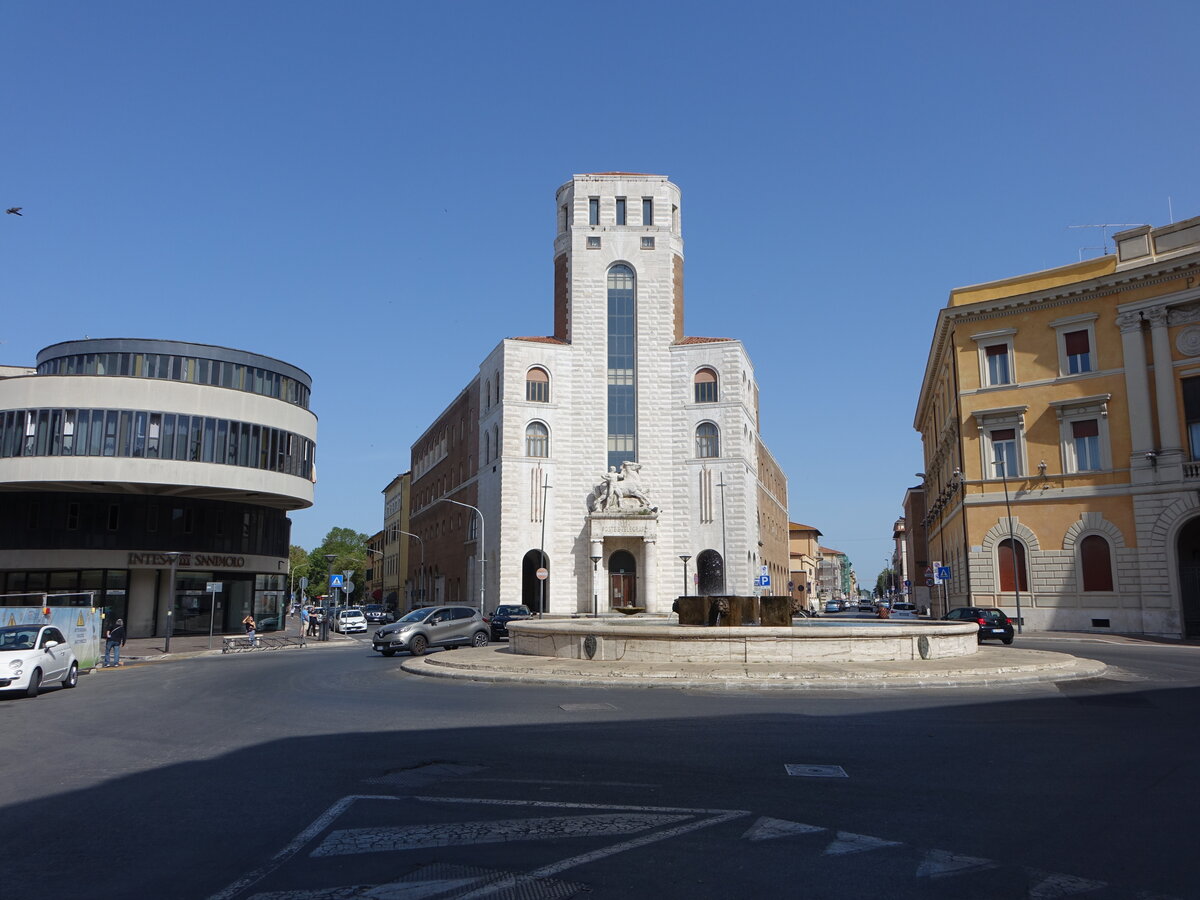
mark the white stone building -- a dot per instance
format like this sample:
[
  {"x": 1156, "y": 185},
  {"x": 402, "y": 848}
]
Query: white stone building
[{"x": 617, "y": 389}]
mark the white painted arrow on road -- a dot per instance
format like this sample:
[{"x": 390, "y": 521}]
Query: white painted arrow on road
[{"x": 766, "y": 829}]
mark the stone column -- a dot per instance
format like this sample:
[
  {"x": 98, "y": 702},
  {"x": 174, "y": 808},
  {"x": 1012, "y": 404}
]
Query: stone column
[
  {"x": 1164, "y": 380},
  {"x": 650, "y": 582},
  {"x": 1137, "y": 385}
]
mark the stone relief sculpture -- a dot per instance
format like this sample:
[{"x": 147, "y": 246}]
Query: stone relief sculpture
[{"x": 621, "y": 491}]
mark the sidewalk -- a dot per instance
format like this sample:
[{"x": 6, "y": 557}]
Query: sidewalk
[{"x": 139, "y": 651}]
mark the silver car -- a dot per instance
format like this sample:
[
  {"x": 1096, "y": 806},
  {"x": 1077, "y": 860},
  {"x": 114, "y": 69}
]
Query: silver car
[{"x": 432, "y": 626}]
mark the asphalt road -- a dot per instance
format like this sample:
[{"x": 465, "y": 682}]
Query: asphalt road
[{"x": 328, "y": 773}]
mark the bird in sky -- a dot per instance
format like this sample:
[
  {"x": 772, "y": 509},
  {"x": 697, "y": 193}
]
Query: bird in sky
[{"x": 15, "y": 210}]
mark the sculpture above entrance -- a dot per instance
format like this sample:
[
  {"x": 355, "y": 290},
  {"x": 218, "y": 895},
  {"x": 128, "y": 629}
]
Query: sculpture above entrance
[{"x": 621, "y": 491}]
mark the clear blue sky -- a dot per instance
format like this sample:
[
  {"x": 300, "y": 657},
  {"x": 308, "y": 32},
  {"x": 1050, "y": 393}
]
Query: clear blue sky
[{"x": 366, "y": 190}]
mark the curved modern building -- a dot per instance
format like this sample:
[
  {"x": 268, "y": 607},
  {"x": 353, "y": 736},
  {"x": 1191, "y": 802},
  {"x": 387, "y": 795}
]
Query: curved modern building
[{"x": 124, "y": 459}]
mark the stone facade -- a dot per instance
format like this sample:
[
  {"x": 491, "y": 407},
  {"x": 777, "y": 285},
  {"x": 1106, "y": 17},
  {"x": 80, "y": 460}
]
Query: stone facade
[{"x": 542, "y": 424}]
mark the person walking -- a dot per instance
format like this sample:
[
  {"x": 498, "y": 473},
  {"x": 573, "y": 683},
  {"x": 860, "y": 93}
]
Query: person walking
[
  {"x": 251, "y": 634},
  {"x": 114, "y": 640}
]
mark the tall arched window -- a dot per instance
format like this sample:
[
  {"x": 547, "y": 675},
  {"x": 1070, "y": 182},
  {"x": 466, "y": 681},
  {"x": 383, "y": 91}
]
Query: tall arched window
[
  {"x": 708, "y": 441},
  {"x": 496, "y": 451},
  {"x": 1095, "y": 559},
  {"x": 487, "y": 394},
  {"x": 537, "y": 439},
  {"x": 487, "y": 446},
  {"x": 1004, "y": 561},
  {"x": 622, "y": 387},
  {"x": 705, "y": 383},
  {"x": 537, "y": 385}
]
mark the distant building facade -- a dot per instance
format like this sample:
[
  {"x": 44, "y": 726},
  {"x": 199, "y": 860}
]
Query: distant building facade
[
  {"x": 602, "y": 454},
  {"x": 1060, "y": 418},
  {"x": 122, "y": 459},
  {"x": 804, "y": 551}
]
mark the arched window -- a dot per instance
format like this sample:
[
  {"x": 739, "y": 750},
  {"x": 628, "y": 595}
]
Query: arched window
[
  {"x": 537, "y": 440},
  {"x": 705, "y": 383},
  {"x": 487, "y": 394},
  {"x": 708, "y": 442},
  {"x": 1095, "y": 559},
  {"x": 1004, "y": 561},
  {"x": 496, "y": 450},
  {"x": 537, "y": 385},
  {"x": 487, "y": 446}
]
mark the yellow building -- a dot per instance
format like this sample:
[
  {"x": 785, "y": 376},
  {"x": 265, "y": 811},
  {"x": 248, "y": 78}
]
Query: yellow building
[
  {"x": 1060, "y": 416},
  {"x": 804, "y": 552}
]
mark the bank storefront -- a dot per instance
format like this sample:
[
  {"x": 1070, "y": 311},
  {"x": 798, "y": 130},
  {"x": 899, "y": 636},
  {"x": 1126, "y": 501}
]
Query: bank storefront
[{"x": 135, "y": 586}]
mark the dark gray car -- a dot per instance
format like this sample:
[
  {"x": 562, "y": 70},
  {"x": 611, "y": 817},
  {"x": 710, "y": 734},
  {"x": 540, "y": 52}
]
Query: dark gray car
[{"x": 432, "y": 626}]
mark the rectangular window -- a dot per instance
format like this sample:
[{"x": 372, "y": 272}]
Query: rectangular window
[
  {"x": 114, "y": 516},
  {"x": 222, "y": 440},
  {"x": 168, "y": 436},
  {"x": 1086, "y": 435},
  {"x": 647, "y": 210},
  {"x": 110, "y": 432},
  {"x": 1004, "y": 453},
  {"x": 647, "y": 242},
  {"x": 593, "y": 210},
  {"x": 72, "y": 516},
  {"x": 620, "y": 210},
  {"x": 1079, "y": 352},
  {"x": 593, "y": 242},
  {"x": 998, "y": 369},
  {"x": 153, "y": 435},
  {"x": 96, "y": 441},
  {"x": 182, "y": 436},
  {"x": 1191, "y": 413},
  {"x": 82, "y": 418},
  {"x": 210, "y": 436},
  {"x": 140, "y": 421},
  {"x": 125, "y": 434}
]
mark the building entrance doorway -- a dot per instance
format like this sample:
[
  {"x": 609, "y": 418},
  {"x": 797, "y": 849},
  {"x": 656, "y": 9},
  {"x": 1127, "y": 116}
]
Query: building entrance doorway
[
  {"x": 1188, "y": 547},
  {"x": 622, "y": 579},
  {"x": 534, "y": 590}
]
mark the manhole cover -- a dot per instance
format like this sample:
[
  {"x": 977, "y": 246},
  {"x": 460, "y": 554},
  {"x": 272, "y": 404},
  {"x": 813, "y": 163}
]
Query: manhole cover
[{"x": 816, "y": 771}]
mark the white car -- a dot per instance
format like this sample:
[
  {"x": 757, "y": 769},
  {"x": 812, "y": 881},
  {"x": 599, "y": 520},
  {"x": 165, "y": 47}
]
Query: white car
[
  {"x": 350, "y": 621},
  {"x": 31, "y": 655},
  {"x": 901, "y": 610}
]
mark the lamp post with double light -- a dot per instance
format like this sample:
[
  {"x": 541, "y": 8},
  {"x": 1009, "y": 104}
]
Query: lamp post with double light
[
  {"x": 1012, "y": 540},
  {"x": 482, "y": 546}
]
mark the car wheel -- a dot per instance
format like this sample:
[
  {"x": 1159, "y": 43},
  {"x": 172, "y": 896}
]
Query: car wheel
[
  {"x": 72, "y": 678},
  {"x": 35, "y": 682},
  {"x": 1006, "y": 641},
  {"x": 480, "y": 639},
  {"x": 418, "y": 645},
  {"x": 388, "y": 652}
]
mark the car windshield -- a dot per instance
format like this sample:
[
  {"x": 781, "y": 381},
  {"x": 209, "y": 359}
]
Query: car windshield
[
  {"x": 511, "y": 611},
  {"x": 417, "y": 615},
  {"x": 19, "y": 637},
  {"x": 373, "y": 608}
]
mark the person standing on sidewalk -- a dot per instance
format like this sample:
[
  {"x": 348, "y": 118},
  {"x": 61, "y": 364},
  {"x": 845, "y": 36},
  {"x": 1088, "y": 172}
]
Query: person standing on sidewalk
[
  {"x": 250, "y": 632},
  {"x": 114, "y": 640}
]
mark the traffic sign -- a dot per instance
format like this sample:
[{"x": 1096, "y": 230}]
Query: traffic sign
[
  {"x": 214, "y": 586},
  {"x": 943, "y": 573},
  {"x": 348, "y": 587},
  {"x": 543, "y": 573},
  {"x": 303, "y": 582},
  {"x": 335, "y": 581}
]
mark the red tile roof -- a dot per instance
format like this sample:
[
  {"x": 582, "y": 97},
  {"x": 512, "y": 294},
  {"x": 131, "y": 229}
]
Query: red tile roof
[
  {"x": 800, "y": 527},
  {"x": 700, "y": 340},
  {"x": 539, "y": 340}
]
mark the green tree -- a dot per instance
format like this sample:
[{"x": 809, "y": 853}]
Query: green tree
[
  {"x": 299, "y": 567},
  {"x": 349, "y": 551}
]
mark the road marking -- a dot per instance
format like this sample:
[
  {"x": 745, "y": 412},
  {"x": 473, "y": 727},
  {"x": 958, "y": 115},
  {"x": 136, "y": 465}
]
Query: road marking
[
  {"x": 940, "y": 863},
  {"x": 848, "y": 842},
  {"x": 584, "y": 707},
  {"x": 318, "y": 825},
  {"x": 766, "y": 829},
  {"x": 1051, "y": 885},
  {"x": 492, "y": 831},
  {"x": 435, "y": 880},
  {"x": 815, "y": 771}
]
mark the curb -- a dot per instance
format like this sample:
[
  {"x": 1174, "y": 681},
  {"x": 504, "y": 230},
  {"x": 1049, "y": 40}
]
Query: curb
[{"x": 495, "y": 665}]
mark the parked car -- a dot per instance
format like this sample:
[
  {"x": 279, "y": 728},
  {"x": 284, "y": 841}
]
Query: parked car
[
  {"x": 498, "y": 621},
  {"x": 902, "y": 609},
  {"x": 432, "y": 626},
  {"x": 350, "y": 621},
  {"x": 31, "y": 655},
  {"x": 994, "y": 624},
  {"x": 832, "y": 606},
  {"x": 377, "y": 614}
]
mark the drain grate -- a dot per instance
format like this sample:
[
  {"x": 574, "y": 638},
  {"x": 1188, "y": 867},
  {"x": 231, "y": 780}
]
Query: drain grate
[{"x": 815, "y": 771}]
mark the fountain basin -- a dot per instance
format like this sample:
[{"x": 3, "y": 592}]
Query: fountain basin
[{"x": 806, "y": 641}]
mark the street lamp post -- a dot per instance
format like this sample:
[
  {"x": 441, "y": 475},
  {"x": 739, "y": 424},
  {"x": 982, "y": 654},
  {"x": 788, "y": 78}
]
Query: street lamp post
[
  {"x": 685, "y": 557},
  {"x": 1012, "y": 542},
  {"x": 482, "y": 547},
  {"x": 595, "y": 599},
  {"x": 422, "y": 543},
  {"x": 329, "y": 558},
  {"x": 174, "y": 557}
]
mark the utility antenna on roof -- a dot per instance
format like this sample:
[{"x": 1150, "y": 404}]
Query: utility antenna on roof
[{"x": 1104, "y": 234}]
